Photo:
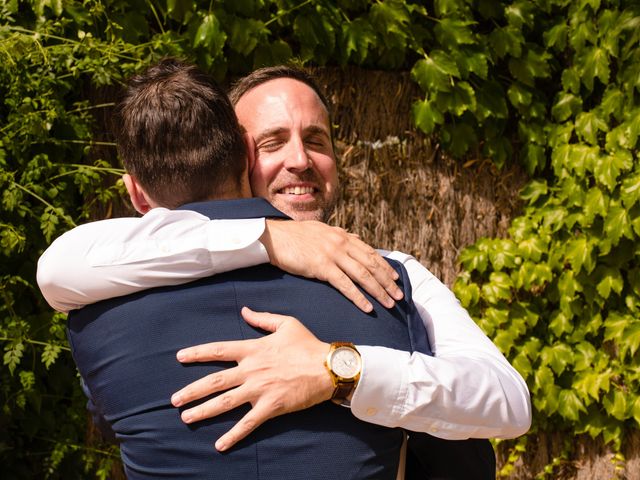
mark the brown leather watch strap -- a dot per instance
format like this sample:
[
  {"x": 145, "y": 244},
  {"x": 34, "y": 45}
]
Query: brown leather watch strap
[{"x": 342, "y": 391}]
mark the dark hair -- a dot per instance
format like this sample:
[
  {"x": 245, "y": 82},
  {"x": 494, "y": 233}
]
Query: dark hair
[
  {"x": 177, "y": 133},
  {"x": 265, "y": 74}
]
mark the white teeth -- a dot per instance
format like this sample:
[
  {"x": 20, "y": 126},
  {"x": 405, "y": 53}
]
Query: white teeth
[{"x": 297, "y": 190}]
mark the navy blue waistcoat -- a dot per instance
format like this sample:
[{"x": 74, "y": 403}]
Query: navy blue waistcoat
[{"x": 125, "y": 350}]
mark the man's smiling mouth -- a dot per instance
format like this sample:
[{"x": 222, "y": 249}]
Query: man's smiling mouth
[{"x": 297, "y": 190}]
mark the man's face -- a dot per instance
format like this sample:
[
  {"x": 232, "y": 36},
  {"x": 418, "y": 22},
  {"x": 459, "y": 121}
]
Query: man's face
[{"x": 295, "y": 167}]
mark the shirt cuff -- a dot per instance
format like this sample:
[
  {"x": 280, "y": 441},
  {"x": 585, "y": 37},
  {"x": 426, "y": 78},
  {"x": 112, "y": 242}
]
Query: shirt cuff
[
  {"x": 240, "y": 247},
  {"x": 381, "y": 392}
]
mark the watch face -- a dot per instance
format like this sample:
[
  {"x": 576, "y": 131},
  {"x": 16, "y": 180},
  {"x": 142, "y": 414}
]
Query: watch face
[{"x": 345, "y": 362}]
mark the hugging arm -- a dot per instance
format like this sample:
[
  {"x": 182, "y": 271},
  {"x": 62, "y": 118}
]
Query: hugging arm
[
  {"x": 467, "y": 390},
  {"x": 116, "y": 257}
]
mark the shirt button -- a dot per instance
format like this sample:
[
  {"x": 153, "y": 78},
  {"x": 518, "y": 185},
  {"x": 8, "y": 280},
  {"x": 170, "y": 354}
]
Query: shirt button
[{"x": 371, "y": 411}]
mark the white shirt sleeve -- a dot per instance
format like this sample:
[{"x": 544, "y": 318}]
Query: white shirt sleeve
[
  {"x": 467, "y": 389},
  {"x": 110, "y": 258}
]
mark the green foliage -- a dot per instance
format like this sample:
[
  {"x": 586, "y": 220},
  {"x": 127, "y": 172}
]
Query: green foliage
[
  {"x": 576, "y": 243},
  {"x": 552, "y": 85}
]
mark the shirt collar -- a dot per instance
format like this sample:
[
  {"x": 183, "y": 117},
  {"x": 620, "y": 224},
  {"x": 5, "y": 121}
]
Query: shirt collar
[{"x": 235, "y": 209}]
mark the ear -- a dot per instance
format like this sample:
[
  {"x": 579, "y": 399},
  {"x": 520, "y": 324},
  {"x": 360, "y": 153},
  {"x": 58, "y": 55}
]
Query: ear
[
  {"x": 138, "y": 196},
  {"x": 251, "y": 152}
]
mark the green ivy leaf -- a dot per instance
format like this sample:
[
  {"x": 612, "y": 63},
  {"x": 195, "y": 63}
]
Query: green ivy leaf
[
  {"x": 610, "y": 280},
  {"x": 589, "y": 384},
  {"x": 596, "y": 203},
  {"x": 498, "y": 288},
  {"x": 534, "y": 190},
  {"x": 560, "y": 323},
  {"x": 359, "y": 38},
  {"x": 554, "y": 217},
  {"x": 471, "y": 61},
  {"x": 426, "y": 115},
  {"x": 505, "y": 340},
  {"x": 473, "y": 258},
  {"x": 452, "y": 32},
  {"x": 391, "y": 19},
  {"x": 314, "y": 31},
  {"x": 635, "y": 410},
  {"x": 571, "y": 80},
  {"x": 522, "y": 364},
  {"x": 503, "y": 255},
  {"x": 534, "y": 158},
  {"x": 556, "y": 36},
  {"x": 532, "y": 248},
  {"x": 617, "y": 224},
  {"x": 568, "y": 285},
  {"x": 615, "y": 325},
  {"x": 506, "y": 41},
  {"x": 543, "y": 377},
  {"x": 491, "y": 102},
  {"x": 579, "y": 254},
  {"x": 570, "y": 406},
  {"x": 613, "y": 102},
  {"x": 433, "y": 73},
  {"x": 529, "y": 67},
  {"x": 180, "y": 10},
  {"x": 615, "y": 403},
  {"x": 585, "y": 353},
  {"x": 560, "y": 135},
  {"x": 631, "y": 340},
  {"x": 588, "y": 124},
  {"x": 245, "y": 34},
  {"x": 457, "y": 101},
  {"x": 458, "y": 138},
  {"x": 595, "y": 64},
  {"x": 209, "y": 35},
  {"x": 566, "y": 105},
  {"x": 467, "y": 294},
  {"x": 630, "y": 191}
]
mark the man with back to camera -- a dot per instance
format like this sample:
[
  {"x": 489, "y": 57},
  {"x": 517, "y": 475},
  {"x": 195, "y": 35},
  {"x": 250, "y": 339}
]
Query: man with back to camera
[
  {"x": 467, "y": 390},
  {"x": 180, "y": 143}
]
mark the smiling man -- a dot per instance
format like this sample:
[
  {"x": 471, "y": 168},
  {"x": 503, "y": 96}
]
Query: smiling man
[{"x": 294, "y": 166}]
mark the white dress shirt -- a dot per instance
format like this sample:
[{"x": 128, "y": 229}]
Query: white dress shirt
[{"x": 466, "y": 390}]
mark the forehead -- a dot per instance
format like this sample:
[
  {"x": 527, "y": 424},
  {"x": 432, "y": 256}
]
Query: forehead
[{"x": 283, "y": 102}]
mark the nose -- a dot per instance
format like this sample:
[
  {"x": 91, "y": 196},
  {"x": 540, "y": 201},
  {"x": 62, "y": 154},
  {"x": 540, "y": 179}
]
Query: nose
[{"x": 297, "y": 158}]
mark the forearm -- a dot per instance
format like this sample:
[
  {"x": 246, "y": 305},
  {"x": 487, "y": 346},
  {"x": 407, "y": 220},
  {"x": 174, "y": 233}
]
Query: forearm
[
  {"x": 451, "y": 398},
  {"x": 468, "y": 389},
  {"x": 117, "y": 257}
]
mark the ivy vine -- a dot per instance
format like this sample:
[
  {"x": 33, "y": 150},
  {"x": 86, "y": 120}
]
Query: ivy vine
[{"x": 552, "y": 85}]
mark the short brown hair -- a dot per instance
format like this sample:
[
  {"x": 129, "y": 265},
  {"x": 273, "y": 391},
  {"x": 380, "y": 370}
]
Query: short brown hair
[
  {"x": 177, "y": 133},
  {"x": 266, "y": 74}
]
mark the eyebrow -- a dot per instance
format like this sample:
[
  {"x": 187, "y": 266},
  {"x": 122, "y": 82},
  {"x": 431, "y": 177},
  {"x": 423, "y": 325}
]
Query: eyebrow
[
  {"x": 277, "y": 131},
  {"x": 314, "y": 129},
  {"x": 271, "y": 132}
]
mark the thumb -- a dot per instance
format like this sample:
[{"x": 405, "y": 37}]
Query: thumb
[{"x": 269, "y": 322}]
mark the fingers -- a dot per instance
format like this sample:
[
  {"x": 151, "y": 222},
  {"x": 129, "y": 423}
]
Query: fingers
[
  {"x": 252, "y": 420},
  {"x": 215, "y": 406},
  {"x": 269, "y": 322},
  {"x": 221, "y": 351},
  {"x": 216, "y": 382},
  {"x": 342, "y": 283},
  {"x": 382, "y": 273}
]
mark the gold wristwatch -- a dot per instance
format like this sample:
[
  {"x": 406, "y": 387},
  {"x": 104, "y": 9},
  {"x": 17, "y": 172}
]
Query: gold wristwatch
[{"x": 344, "y": 365}]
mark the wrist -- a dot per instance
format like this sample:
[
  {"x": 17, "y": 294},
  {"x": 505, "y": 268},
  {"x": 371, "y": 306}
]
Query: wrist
[
  {"x": 266, "y": 239},
  {"x": 344, "y": 365}
]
